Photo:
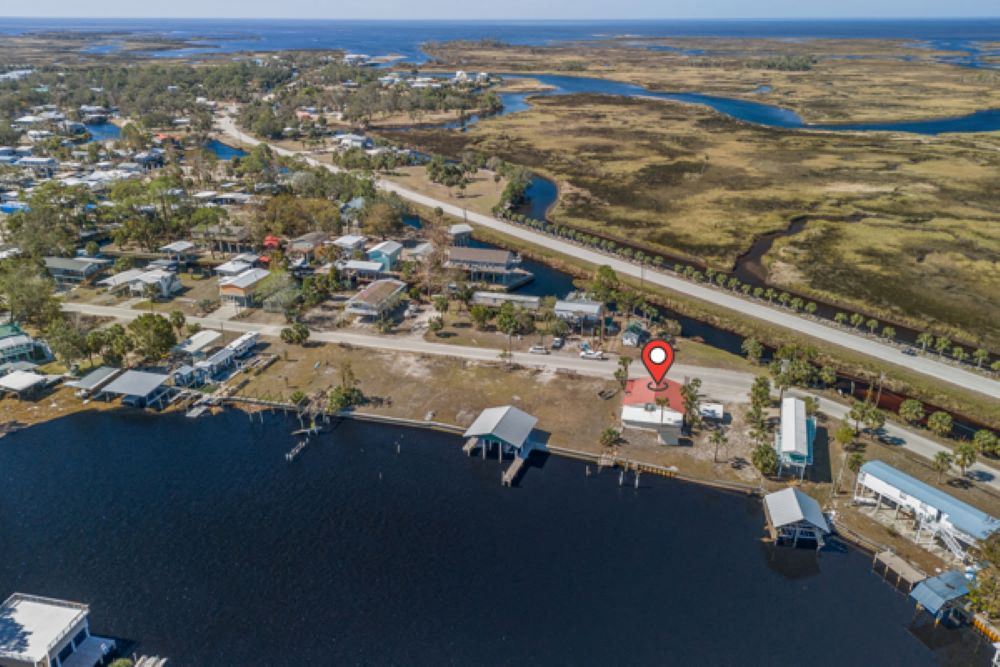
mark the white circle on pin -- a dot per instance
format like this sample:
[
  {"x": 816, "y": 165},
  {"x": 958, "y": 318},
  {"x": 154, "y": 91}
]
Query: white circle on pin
[{"x": 657, "y": 355}]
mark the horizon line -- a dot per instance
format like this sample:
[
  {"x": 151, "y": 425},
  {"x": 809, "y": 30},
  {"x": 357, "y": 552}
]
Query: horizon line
[{"x": 518, "y": 20}]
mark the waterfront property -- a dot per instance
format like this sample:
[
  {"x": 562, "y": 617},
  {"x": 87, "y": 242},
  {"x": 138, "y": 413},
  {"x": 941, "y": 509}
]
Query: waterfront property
[
  {"x": 660, "y": 411},
  {"x": 22, "y": 383},
  {"x": 224, "y": 238},
  {"x": 510, "y": 430},
  {"x": 45, "y": 632},
  {"x": 72, "y": 270},
  {"x": 460, "y": 234},
  {"x": 579, "y": 312},
  {"x": 793, "y": 441},
  {"x": 179, "y": 251},
  {"x": 194, "y": 346},
  {"x": 792, "y": 515},
  {"x": 942, "y": 596},
  {"x": 16, "y": 345},
  {"x": 138, "y": 389},
  {"x": 377, "y": 299},
  {"x": 921, "y": 512},
  {"x": 241, "y": 289},
  {"x": 94, "y": 380},
  {"x": 497, "y": 299},
  {"x": 488, "y": 265}
]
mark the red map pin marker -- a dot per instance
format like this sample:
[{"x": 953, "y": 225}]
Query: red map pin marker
[{"x": 658, "y": 357}]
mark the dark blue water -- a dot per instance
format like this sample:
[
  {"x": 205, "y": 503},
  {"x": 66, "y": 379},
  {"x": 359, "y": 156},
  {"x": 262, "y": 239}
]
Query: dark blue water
[
  {"x": 224, "y": 151},
  {"x": 406, "y": 37},
  {"x": 104, "y": 132},
  {"x": 757, "y": 113},
  {"x": 197, "y": 539}
]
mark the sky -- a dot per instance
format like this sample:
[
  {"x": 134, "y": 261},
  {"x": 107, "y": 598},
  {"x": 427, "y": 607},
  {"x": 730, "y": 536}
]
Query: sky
[{"x": 508, "y": 9}]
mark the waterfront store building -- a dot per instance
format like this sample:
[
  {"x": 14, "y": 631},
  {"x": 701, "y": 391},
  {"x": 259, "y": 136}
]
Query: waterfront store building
[
  {"x": 45, "y": 632},
  {"x": 792, "y": 515},
  {"x": 921, "y": 512},
  {"x": 793, "y": 441}
]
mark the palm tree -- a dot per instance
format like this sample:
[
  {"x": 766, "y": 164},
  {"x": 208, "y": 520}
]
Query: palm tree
[
  {"x": 959, "y": 353},
  {"x": 911, "y": 410},
  {"x": 840, "y": 318},
  {"x": 942, "y": 464},
  {"x": 965, "y": 456},
  {"x": 811, "y": 308},
  {"x": 940, "y": 423},
  {"x": 854, "y": 463},
  {"x": 942, "y": 344},
  {"x": 872, "y": 325},
  {"x": 924, "y": 340},
  {"x": 609, "y": 437},
  {"x": 980, "y": 355},
  {"x": 889, "y": 332},
  {"x": 718, "y": 439}
]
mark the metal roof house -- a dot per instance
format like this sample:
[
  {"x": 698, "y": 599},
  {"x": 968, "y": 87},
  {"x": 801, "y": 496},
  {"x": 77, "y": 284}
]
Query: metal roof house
[
  {"x": 66, "y": 270},
  {"x": 15, "y": 345},
  {"x": 792, "y": 515},
  {"x": 579, "y": 311},
  {"x": 377, "y": 299},
  {"x": 44, "y": 632},
  {"x": 241, "y": 289},
  {"x": 640, "y": 410},
  {"x": 195, "y": 345},
  {"x": 793, "y": 442},
  {"x": 22, "y": 383},
  {"x": 460, "y": 234},
  {"x": 489, "y": 265},
  {"x": 933, "y": 513},
  {"x": 941, "y": 596},
  {"x": 350, "y": 243},
  {"x": 386, "y": 253}
]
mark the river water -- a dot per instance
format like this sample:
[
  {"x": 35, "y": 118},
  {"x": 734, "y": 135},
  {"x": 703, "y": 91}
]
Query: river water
[{"x": 197, "y": 539}]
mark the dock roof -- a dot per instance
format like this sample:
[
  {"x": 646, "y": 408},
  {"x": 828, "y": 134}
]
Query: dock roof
[
  {"x": 30, "y": 626},
  {"x": 966, "y": 518},
  {"x": 506, "y": 423},
  {"x": 94, "y": 378},
  {"x": 790, "y": 506},
  {"x": 935, "y": 593},
  {"x": 18, "y": 381},
  {"x": 136, "y": 383}
]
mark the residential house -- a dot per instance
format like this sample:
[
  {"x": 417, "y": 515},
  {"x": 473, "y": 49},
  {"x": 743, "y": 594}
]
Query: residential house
[
  {"x": 793, "y": 441},
  {"x": 350, "y": 244},
  {"x": 241, "y": 289},
  {"x": 579, "y": 312},
  {"x": 489, "y": 265},
  {"x": 377, "y": 299},
  {"x": 73, "y": 270},
  {"x": 658, "y": 410},
  {"x": 386, "y": 253},
  {"x": 308, "y": 245},
  {"x": 497, "y": 299},
  {"x": 16, "y": 345}
]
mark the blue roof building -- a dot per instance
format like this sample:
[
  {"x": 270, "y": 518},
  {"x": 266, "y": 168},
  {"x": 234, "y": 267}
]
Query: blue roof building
[
  {"x": 941, "y": 595},
  {"x": 386, "y": 253},
  {"x": 957, "y": 524}
]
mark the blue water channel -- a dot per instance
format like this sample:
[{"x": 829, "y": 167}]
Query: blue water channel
[{"x": 380, "y": 545}]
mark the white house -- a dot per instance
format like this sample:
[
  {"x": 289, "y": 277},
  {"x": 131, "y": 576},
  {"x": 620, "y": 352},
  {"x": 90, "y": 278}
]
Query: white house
[{"x": 377, "y": 299}]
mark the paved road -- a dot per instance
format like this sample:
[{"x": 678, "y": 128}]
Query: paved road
[
  {"x": 784, "y": 318},
  {"x": 718, "y": 384}
]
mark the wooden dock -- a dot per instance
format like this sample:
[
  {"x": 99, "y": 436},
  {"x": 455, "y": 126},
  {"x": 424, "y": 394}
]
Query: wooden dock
[
  {"x": 904, "y": 575},
  {"x": 150, "y": 661},
  {"x": 470, "y": 445},
  {"x": 513, "y": 471}
]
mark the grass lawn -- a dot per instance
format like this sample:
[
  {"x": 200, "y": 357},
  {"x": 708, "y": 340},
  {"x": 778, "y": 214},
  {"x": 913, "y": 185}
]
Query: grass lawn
[{"x": 481, "y": 195}]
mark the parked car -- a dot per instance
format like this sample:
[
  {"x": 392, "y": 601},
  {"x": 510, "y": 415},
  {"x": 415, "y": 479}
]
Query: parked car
[
  {"x": 591, "y": 354},
  {"x": 909, "y": 351},
  {"x": 538, "y": 349},
  {"x": 557, "y": 343}
]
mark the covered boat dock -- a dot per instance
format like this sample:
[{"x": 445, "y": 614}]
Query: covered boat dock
[{"x": 139, "y": 389}]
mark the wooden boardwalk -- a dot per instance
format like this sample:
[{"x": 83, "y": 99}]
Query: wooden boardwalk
[{"x": 906, "y": 576}]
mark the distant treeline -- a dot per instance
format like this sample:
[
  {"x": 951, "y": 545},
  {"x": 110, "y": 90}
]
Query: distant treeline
[{"x": 784, "y": 63}]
